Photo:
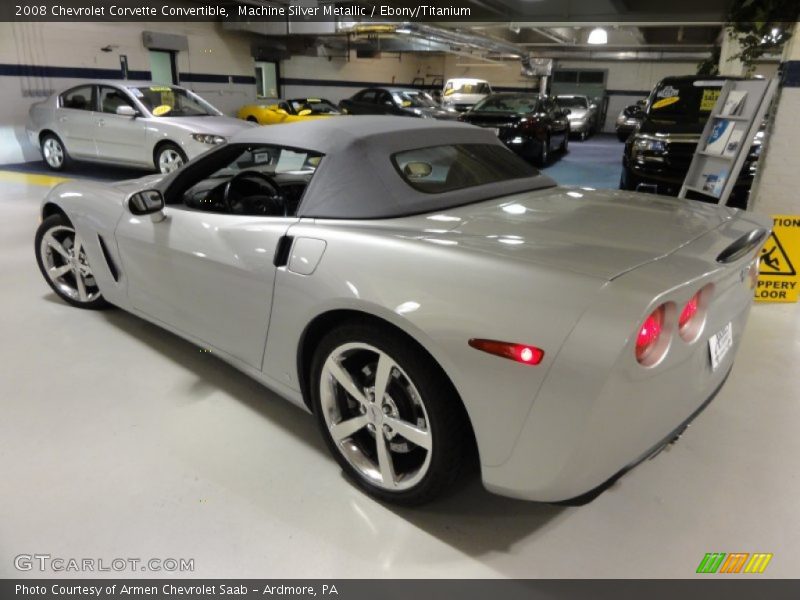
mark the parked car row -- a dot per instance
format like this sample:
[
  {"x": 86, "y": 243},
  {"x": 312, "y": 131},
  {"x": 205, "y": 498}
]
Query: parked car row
[{"x": 149, "y": 125}]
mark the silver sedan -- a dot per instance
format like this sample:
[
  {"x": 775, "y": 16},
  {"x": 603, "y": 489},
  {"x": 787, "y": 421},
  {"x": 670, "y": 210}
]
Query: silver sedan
[
  {"x": 430, "y": 297},
  {"x": 136, "y": 124}
]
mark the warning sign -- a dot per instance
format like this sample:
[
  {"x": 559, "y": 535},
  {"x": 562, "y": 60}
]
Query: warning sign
[{"x": 778, "y": 279}]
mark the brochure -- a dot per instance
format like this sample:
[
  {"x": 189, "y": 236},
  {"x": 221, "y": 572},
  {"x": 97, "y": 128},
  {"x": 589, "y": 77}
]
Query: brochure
[
  {"x": 734, "y": 141},
  {"x": 718, "y": 138},
  {"x": 713, "y": 183},
  {"x": 734, "y": 103}
]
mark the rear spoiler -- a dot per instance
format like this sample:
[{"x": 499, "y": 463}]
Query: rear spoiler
[{"x": 742, "y": 246}]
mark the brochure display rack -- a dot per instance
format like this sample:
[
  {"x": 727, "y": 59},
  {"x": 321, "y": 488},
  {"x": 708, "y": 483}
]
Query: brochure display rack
[{"x": 727, "y": 137}]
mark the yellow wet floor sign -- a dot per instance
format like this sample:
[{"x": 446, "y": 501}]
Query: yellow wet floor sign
[{"x": 778, "y": 279}]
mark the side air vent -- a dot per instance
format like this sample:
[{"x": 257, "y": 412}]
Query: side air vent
[
  {"x": 742, "y": 246},
  {"x": 109, "y": 261}
]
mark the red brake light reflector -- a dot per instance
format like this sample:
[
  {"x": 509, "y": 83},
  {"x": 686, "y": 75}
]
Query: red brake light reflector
[
  {"x": 649, "y": 333},
  {"x": 689, "y": 311},
  {"x": 523, "y": 353}
]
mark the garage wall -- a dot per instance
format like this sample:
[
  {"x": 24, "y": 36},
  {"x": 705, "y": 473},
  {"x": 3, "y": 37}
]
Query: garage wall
[
  {"x": 337, "y": 78},
  {"x": 37, "y": 58},
  {"x": 501, "y": 75}
]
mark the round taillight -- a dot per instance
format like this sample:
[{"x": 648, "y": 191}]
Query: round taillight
[
  {"x": 689, "y": 312},
  {"x": 649, "y": 335}
]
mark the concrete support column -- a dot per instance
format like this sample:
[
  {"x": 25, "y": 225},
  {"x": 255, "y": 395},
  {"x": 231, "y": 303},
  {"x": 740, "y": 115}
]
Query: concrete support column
[
  {"x": 732, "y": 67},
  {"x": 777, "y": 189}
]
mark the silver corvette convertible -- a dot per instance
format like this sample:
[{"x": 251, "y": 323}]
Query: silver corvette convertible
[
  {"x": 430, "y": 297},
  {"x": 128, "y": 123}
]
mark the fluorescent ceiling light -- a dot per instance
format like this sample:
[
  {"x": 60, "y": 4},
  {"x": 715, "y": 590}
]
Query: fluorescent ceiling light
[{"x": 598, "y": 36}]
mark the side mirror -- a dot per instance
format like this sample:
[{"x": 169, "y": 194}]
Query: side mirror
[
  {"x": 147, "y": 202},
  {"x": 124, "y": 110}
]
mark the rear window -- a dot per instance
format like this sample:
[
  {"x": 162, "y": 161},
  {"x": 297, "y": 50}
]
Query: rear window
[{"x": 439, "y": 169}]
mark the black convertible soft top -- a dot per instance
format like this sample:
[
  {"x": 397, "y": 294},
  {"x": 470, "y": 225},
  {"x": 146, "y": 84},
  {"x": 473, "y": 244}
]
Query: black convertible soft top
[{"x": 357, "y": 180}]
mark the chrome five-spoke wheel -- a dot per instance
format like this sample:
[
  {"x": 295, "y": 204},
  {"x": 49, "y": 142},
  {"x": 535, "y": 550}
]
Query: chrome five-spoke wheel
[
  {"x": 388, "y": 413},
  {"x": 375, "y": 416},
  {"x": 62, "y": 259}
]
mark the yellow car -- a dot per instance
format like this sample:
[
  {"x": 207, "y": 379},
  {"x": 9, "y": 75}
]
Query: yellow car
[{"x": 288, "y": 111}]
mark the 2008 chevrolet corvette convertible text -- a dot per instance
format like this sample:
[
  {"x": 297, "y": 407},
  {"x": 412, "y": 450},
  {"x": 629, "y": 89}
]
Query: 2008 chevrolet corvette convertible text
[{"x": 431, "y": 302}]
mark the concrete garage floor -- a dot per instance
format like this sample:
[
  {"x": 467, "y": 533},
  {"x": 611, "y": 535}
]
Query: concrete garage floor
[{"x": 118, "y": 439}]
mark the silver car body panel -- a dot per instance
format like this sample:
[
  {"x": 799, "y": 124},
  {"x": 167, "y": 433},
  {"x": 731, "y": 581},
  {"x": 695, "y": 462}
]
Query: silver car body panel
[
  {"x": 572, "y": 271},
  {"x": 95, "y": 136}
]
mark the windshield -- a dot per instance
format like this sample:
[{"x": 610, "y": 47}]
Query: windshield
[
  {"x": 508, "y": 103},
  {"x": 480, "y": 87},
  {"x": 415, "y": 99},
  {"x": 684, "y": 101},
  {"x": 169, "y": 101},
  {"x": 572, "y": 102},
  {"x": 316, "y": 106}
]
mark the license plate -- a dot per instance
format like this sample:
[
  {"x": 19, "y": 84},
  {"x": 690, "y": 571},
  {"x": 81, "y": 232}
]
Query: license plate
[{"x": 720, "y": 344}]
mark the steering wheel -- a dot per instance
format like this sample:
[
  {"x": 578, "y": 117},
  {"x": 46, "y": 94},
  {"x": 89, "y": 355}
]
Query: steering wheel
[{"x": 235, "y": 192}]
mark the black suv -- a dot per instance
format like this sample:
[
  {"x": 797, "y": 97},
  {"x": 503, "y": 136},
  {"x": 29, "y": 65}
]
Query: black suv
[{"x": 658, "y": 155}]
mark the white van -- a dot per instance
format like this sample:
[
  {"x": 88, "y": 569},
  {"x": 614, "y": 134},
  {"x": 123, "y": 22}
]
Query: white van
[{"x": 462, "y": 93}]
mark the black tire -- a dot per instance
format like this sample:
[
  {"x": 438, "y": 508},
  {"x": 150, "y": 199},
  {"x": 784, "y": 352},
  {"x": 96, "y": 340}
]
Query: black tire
[
  {"x": 564, "y": 148},
  {"x": 452, "y": 450},
  {"x": 625, "y": 181},
  {"x": 252, "y": 119},
  {"x": 163, "y": 151},
  {"x": 544, "y": 155},
  {"x": 59, "y": 226},
  {"x": 622, "y": 137},
  {"x": 54, "y": 152}
]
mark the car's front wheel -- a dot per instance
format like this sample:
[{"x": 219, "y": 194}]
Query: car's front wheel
[
  {"x": 54, "y": 153},
  {"x": 63, "y": 262},
  {"x": 388, "y": 414},
  {"x": 169, "y": 158}
]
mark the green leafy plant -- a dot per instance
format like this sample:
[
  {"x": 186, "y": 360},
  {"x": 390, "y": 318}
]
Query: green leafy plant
[{"x": 761, "y": 27}]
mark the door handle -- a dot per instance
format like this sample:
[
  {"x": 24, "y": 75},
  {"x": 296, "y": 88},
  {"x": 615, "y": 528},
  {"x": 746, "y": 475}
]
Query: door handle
[
  {"x": 101, "y": 122},
  {"x": 62, "y": 119}
]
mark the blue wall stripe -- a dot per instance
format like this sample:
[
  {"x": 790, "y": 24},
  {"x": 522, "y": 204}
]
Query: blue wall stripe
[{"x": 11, "y": 70}]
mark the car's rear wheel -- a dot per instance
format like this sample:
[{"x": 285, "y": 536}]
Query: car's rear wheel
[
  {"x": 389, "y": 416},
  {"x": 169, "y": 158},
  {"x": 544, "y": 155},
  {"x": 63, "y": 262},
  {"x": 252, "y": 119},
  {"x": 54, "y": 153}
]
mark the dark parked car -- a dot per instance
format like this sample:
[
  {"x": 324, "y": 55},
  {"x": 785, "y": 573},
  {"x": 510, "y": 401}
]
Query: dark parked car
[
  {"x": 404, "y": 102},
  {"x": 530, "y": 125},
  {"x": 658, "y": 155},
  {"x": 629, "y": 119}
]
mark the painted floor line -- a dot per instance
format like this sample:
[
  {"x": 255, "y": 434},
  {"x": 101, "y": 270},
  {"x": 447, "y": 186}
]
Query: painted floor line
[{"x": 31, "y": 179}]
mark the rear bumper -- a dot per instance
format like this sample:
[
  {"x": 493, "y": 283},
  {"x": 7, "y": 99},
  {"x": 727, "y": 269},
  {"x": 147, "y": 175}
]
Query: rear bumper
[
  {"x": 599, "y": 413},
  {"x": 671, "y": 438}
]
